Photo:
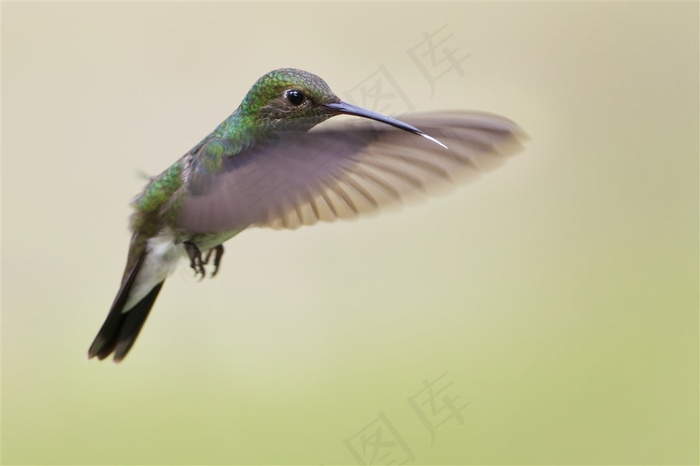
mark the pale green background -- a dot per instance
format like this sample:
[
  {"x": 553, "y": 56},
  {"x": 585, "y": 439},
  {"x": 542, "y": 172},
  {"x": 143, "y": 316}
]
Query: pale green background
[{"x": 560, "y": 292}]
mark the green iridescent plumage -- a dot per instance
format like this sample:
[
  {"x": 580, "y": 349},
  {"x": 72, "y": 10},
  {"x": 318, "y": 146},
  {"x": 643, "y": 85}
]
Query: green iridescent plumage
[{"x": 259, "y": 116}]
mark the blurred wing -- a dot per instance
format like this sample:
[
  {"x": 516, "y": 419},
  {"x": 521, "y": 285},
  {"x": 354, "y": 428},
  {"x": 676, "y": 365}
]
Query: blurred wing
[{"x": 343, "y": 170}]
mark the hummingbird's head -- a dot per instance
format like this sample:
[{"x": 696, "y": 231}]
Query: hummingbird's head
[{"x": 290, "y": 99}]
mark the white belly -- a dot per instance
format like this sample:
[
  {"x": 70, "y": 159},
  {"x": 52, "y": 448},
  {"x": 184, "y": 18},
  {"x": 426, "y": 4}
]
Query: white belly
[{"x": 162, "y": 256}]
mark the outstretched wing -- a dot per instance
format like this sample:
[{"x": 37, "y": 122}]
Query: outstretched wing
[{"x": 341, "y": 170}]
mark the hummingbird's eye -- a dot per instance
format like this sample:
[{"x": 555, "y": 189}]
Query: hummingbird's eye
[{"x": 294, "y": 97}]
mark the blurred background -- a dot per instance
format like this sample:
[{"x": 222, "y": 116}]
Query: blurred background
[{"x": 546, "y": 314}]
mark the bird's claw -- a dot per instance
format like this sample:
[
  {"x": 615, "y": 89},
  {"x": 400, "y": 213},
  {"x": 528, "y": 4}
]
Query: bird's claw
[
  {"x": 196, "y": 261},
  {"x": 195, "y": 256},
  {"x": 218, "y": 253}
]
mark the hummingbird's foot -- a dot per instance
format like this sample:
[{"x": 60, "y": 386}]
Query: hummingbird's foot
[
  {"x": 195, "y": 256},
  {"x": 218, "y": 252}
]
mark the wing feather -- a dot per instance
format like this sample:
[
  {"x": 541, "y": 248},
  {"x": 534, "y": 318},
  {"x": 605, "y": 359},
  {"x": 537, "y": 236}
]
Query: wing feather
[{"x": 343, "y": 170}]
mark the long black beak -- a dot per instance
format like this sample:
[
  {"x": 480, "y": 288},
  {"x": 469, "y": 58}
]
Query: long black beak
[{"x": 349, "y": 109}]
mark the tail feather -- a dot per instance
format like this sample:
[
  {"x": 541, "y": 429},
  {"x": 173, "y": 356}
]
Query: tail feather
[
  {"x": 133, "y": 323},
  {"x": 120, "y": 329}
]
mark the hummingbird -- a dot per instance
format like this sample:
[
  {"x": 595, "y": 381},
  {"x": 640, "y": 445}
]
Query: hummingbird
[{"x": 269, "y": 165}]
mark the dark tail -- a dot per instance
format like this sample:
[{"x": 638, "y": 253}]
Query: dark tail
[{"x": 120, "y": 329}]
